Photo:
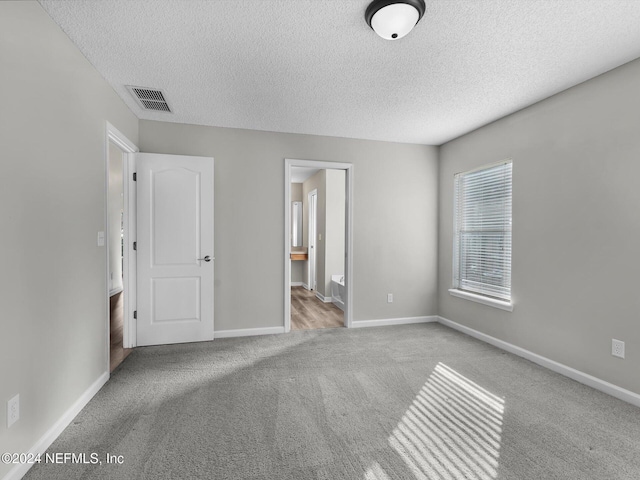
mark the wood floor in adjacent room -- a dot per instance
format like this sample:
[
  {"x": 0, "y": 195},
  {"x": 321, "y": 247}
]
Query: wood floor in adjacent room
[
  {"x": 116, "y": 323},
  {"x": 308, "y": 312}
]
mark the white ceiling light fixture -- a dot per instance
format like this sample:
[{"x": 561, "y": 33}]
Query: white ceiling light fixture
[{"x": 393, "y": 19}]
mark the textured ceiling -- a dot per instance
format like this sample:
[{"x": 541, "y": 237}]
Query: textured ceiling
[{"x": 314, "y": 66}]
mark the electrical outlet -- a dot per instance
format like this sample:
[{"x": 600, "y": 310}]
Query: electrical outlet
[
  {"x": 617, "y": 348},
  {"x": 389, "y": 297},
  {"x": 13, "y": 410}
]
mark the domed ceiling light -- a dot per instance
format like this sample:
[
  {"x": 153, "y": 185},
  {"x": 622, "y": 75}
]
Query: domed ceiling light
[{"x": 393, "y": 19}]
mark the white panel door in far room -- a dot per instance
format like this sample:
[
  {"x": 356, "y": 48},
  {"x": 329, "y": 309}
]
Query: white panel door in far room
[{"x": 174, "y": 249}]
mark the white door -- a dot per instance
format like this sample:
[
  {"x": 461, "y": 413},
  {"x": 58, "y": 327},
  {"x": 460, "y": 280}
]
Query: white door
[
  {"x": 313, "y": 211},
  {"x": 174, "y": 249}
]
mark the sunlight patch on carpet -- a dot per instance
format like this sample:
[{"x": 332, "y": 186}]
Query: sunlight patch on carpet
[
  {"x": 376, "y": 472},
  {"x": 451, "y": 431}
]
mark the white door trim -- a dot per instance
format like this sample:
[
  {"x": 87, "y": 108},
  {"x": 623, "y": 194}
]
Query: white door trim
[
  {"x": 112, "y": 134},
  {"x": 129, "y": 267},
  {"x": 312, "y": 267},
  {"x": 348, "y": 274}
]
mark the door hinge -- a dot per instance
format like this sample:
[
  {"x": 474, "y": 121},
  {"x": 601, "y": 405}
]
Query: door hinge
[
  {"x": 135, "y": 314},
  {"x": 135, "y": 177},
  {"x": 135, "y": 245}
]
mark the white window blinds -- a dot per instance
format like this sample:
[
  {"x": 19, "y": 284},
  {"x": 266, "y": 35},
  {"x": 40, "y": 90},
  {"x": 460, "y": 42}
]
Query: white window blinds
[{"x": 482, "y": 237}]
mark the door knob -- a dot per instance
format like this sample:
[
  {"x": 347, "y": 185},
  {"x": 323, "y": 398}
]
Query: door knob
[{"x": 207, "y": 258}]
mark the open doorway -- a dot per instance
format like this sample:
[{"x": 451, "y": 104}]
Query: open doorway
[
  {"x": 116, "y": 158},
  {"x": 115, "y": 218},
  {"x": 317, "y": 263}
]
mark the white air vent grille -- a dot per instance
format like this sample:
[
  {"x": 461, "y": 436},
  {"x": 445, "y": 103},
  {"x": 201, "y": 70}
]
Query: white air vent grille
[
  {"x": 150, "y": 105},
  {"x": 149, "y": 98}
]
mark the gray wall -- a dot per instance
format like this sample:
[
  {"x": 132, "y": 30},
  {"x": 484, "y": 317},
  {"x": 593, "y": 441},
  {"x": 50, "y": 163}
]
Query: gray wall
[
  {"x": 296, "y": 192},
  {"x": 334, "y": 227},
  {"x": 576, "y": 225},
  {"x": 53, "y": 287},
  {"x": 395, "y": 218}
]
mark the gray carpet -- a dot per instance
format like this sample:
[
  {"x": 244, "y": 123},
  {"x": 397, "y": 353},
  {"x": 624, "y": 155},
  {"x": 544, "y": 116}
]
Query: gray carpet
[{"x": 405, "y": 402}]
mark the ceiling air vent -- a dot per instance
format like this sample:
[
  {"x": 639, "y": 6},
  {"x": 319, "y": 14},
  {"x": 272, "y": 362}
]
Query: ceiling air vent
[{"x": 149, "y": 98}]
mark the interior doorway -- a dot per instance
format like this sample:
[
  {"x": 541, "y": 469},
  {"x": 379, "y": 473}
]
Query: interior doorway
[
  {"x": 116, "y": 159},
  {"x": 175, "y": 309},
  {"x": 318, "y": 273},
  {"x": 115, "y": 249}
]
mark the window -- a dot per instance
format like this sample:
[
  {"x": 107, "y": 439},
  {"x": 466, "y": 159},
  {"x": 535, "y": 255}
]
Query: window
[{"x": 482, "y": 235}]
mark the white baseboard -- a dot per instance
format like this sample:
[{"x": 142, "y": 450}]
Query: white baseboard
[
  {"x": 322, "y": 298},
  {"x": 297, "y": 284},
  {"x": 63, "y": 422},
  {"x": 393, "y": 321},
  {"x": 305, "y": 286},
  {"x": 581, "y": 377},
  {"x": 247, "y": 332},
  {"x": 337, "y": 302}
]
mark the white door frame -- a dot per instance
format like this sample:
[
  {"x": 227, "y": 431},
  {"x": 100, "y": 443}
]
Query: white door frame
[
  {"x": 112, "y": 134},
  {"x": 348, "y": 274},
  {"x": 312, "y": 272}
]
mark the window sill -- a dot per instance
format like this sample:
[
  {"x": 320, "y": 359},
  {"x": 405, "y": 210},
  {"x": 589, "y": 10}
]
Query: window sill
[{"x": 491, "y": 302}]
